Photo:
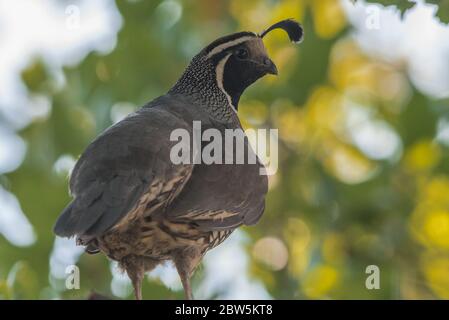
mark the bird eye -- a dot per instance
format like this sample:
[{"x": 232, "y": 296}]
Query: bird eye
[{"x": 242, "y": 53}]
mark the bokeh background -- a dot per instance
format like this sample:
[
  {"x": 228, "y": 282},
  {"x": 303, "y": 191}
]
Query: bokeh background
[{"x": 362, "y": 108}]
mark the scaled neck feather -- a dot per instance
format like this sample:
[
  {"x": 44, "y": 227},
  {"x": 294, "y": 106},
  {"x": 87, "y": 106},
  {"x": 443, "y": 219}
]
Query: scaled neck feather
[{"x": 199, "y": 82}]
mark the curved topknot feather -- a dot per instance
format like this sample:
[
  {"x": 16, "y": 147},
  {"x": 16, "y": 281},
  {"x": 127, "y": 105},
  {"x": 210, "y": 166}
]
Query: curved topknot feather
[{"x": 292, "y": 27}]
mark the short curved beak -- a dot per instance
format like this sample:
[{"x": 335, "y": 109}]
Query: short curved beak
[{"x": 270, "y": 67}]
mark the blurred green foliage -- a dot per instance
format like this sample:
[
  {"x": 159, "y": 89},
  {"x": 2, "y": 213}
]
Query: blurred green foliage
[
  {"x": 334, "y": 209},
  {"x": 403, "y": 5}
]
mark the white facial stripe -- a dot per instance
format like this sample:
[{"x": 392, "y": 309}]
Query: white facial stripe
[
  {"x": 219, "y": 71},
  {"x": 226, "y": 45}
]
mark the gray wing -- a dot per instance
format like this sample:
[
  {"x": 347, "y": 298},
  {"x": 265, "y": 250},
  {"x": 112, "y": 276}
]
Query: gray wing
[
  {"x": 128, "y": 161},
  {"x": 221, "y": 196}
]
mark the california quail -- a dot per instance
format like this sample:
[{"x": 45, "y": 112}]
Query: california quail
[{"x": 133, "y": 203}]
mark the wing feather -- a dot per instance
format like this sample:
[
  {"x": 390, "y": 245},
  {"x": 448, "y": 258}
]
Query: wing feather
[
  {"x": 118, "y": 169},
  {"x": 222, "y": 196}
]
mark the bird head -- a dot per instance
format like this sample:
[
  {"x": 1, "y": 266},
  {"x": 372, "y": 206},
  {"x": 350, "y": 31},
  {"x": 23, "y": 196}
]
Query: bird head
[
  {"x": 241, "y": 58},
  {"x": 219, "y": 74}
]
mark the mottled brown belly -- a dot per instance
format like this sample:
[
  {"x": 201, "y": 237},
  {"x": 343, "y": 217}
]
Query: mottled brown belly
[{"x": 157, "y": 239}]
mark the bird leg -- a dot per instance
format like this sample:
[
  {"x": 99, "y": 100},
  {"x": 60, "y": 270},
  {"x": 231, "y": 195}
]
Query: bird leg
[
  {"x": 134, "y": 267},
  {"x": 136, "y": 280},
  {"x": 185, "y": 279},
  {"x": 186, "y": 260}
]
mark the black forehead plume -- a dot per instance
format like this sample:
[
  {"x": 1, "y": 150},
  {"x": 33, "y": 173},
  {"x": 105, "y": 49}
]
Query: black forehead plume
[
  {"x": 293, "y": 29},
  {"x": 229, "y": 38}
]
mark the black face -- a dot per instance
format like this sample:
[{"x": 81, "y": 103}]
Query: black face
[
  {"x": 246, "y": 63},
  {"x": 241, "y": 58}
]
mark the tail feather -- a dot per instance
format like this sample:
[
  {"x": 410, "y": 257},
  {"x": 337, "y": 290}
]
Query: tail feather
[
  {"x": 75, "y": 219},
  {"x": 65, "y": 223},
  {"x": 75, "y": 222}
]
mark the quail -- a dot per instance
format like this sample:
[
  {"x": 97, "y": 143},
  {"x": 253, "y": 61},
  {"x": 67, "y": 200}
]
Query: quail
[{"x": 132, "y": 202}]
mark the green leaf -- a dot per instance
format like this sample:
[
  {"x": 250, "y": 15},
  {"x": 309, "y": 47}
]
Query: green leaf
[
  {"x": 35, "y": 76},
  {"x": 22, "y": 279},
  {"x": 443, "y": 9},
  {"x": 404, "y": 5},
  {"x": 5, "y": 290},
  {"x": 401, "y": 5}
]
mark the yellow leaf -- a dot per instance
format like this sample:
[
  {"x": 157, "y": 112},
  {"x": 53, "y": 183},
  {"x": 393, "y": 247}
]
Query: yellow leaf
[
  {"x": 320, "y": 281},
  {"x": 422, "y": 156},
  {"x": 328, "y": 17}
]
